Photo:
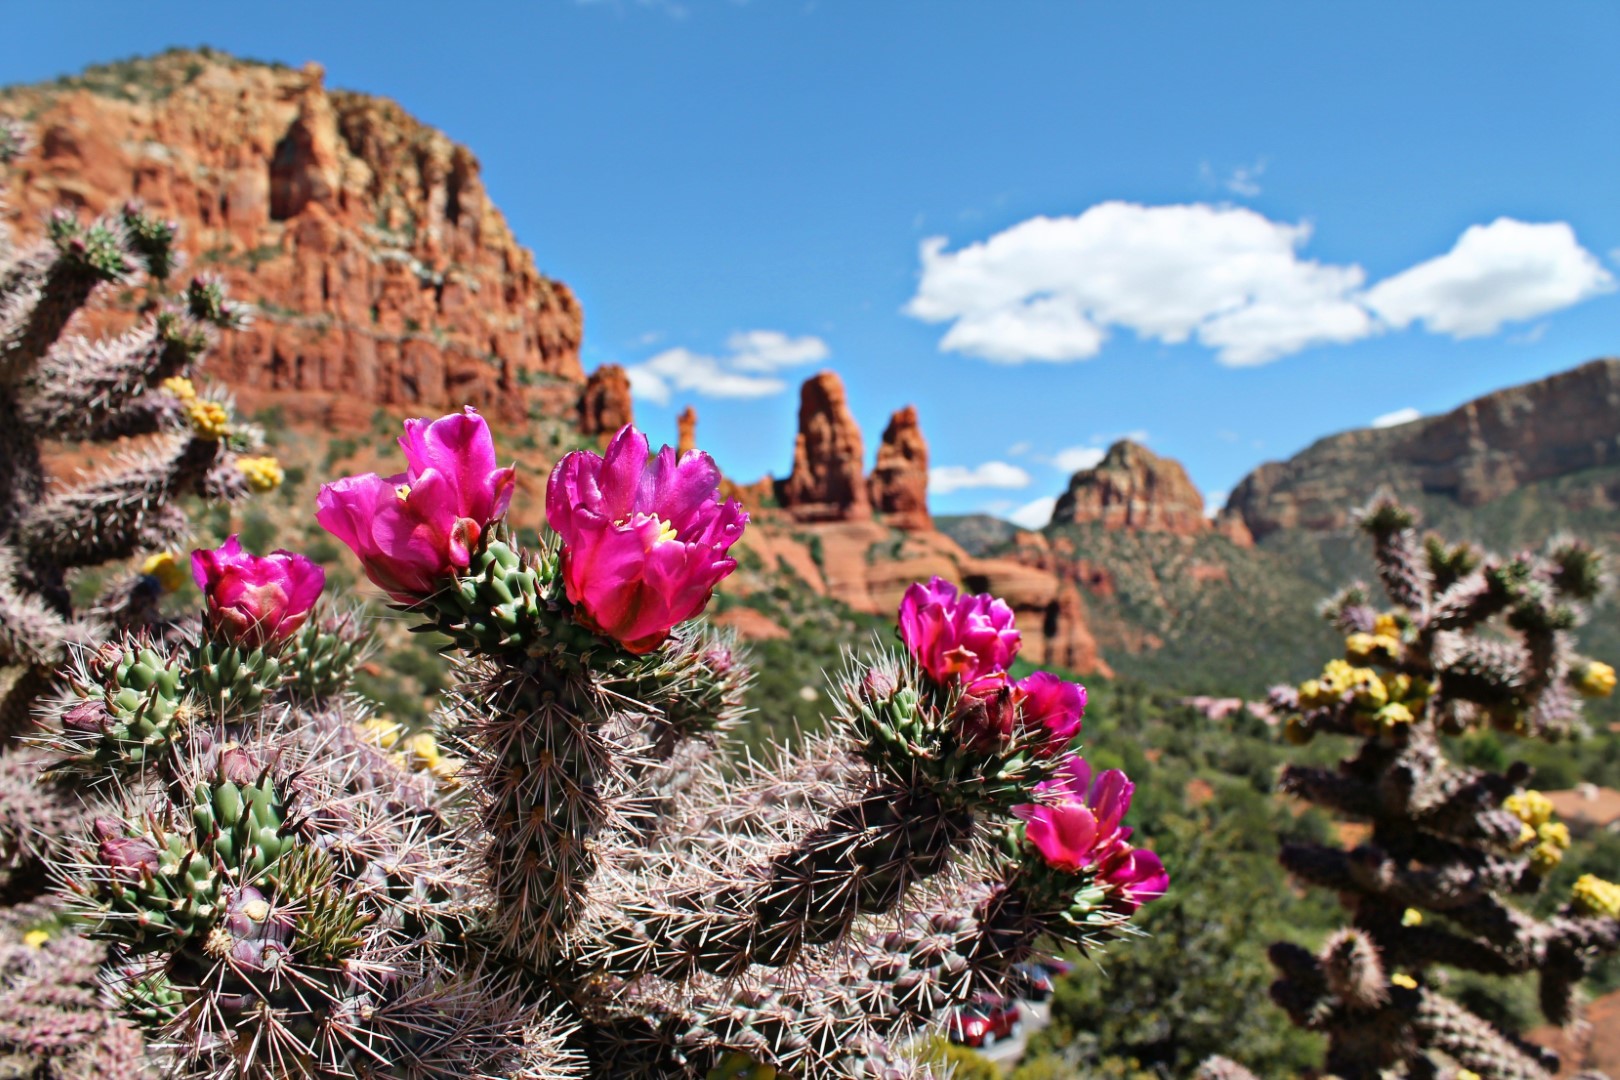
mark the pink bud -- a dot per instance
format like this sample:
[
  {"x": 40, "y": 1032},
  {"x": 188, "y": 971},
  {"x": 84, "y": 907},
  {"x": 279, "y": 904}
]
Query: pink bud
[
  {"x": 415, "y": 530},
  {"x": 957, "y": 637},
  {"x": 255, "y": 600},
  {"x": 125, "y": 855},
  {"x": 644, "y": 541},
  {"x": 238, "y": 766},
  {"x": 88, "y": 717}
]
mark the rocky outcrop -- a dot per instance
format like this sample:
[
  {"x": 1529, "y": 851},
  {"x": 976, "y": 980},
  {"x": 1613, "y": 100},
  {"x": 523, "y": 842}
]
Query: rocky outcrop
[
  {"x": 383, "y": 275},
  {"x": 898, "y": 486},
  {"x": 1479, "y": 452},
  {"x": 686, "y": 430},
  {"x": 828, "y": 481},
  {"x": 1133, "y": 488},
  {"x": 605, "y": 405}
]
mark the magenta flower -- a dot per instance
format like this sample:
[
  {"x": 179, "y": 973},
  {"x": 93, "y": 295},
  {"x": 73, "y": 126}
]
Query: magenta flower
[
  {"x": 1051, "y": 710},
  {"x": 1043, "y": 708},
  {"x": 1076, "y": 826},
  {"x": 957, "y": 637},
  {"x": 643, "y": 540},
  {"x": 255, "y": 600},
  {"x": 414, "y": 530}
]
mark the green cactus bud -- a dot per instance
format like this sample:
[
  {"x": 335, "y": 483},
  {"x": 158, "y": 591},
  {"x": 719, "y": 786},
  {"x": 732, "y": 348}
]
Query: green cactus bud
[{"x": 231, "y": 679}]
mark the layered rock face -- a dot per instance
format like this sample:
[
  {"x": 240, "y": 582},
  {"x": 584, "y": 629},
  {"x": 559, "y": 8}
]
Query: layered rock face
[
  {"x": 1134, "y": 488},
  {"x": 384, "y": 277},
  {"x": 898, "y": 486},
  {"x": 605, "y": 405},
  {"x": 828, "y": 481},
  {"x": 1482, "y": 451}
]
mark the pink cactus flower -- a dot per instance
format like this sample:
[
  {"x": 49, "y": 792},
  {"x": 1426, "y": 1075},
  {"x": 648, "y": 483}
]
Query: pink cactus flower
[
  {"x": 413, "y": 531},
  {"x": 1076, "y": 826},
  {"x": 957, "y": 637},
  {"x": 644, "y": 540},
  {"x": 1051, "y": 710},
  {"x": 1043, "y": 708},
  {"x": 255, "y": 600},
  {"x": 1136, "y": 874}
]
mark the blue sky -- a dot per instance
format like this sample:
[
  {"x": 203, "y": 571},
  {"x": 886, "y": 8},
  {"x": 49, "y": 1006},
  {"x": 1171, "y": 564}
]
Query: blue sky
[{"x": 1228, "y": 228}]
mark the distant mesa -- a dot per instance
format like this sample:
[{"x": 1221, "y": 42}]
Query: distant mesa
[
  {"x": 383, "y": 274},
  {"x": 1475, "y": 454}
]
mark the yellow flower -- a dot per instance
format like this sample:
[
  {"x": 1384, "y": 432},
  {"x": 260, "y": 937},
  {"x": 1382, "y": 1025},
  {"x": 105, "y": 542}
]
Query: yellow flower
[
  {"x": 263, "y": 473},
  {"x": 1371, "y": 694},
  {"x": 1527, "y": 836},
  {"x": 421, "y": 750},
  {"x": 1531, "y": 807},
  {"x": 1595, "y": 679},
  {"x": 1387, "y": 625},
  {"x": 1310, "y": 694},
  {"x": 1394, "y": 714},
  {"x": 1359, "y": 647},
  {"x": 209, "y": 419},
  {"x": 1337, "y": 675},
  {"x": 1296, "y": 732},
  {"x": 1544, "y": 858},
  {"x": 447, "y": 768},
  {"x": 180, "y": 387},
  {"x": 1591, "y": 895},
  {"x": 1555, "y": 833},
  {"x": 36, "y": 939},
  {"x": 1400, "y": 978},
  {"x": 379, "y": 732},
  {"x": 166, "y": 569},
  {"x": 1411, "y": 917},
  {"x": 1466, "y": 1074}
]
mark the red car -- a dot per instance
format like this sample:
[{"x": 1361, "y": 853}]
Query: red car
[{"x": 985, "y": 1022}]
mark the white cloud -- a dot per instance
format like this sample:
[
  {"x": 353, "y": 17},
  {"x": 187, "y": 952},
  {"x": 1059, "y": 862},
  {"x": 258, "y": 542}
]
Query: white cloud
[
  {"x": 771, "y": 350},
  {"x": 1048, "y": 288},
  {"x": 1243, "y": 180},
  {"x": 1052, "y": 288},
  {"x": 1074, "y": 458},
  {"x": 1214, "y": 502},
  {"x": 1506, "y": 271},
  {"x": 745, "y": 371},
  {"x": 1397, "y": 418},
  {"x": 1019, "y": 448},
  {"x": 944, "y": 479},
  {"x": 1034, "y": 514}
]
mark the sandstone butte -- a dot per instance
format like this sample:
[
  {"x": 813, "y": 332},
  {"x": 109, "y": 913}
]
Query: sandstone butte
[{"x": 383, "y": 277}]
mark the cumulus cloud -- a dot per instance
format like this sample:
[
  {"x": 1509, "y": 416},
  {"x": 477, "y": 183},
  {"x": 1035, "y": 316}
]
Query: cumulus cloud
[
  {"x": 1052, "y": 289},
  {"x": 1034, "y": 514},
  {"x": 745, "y": 370},
  {"x": 1214, "y": 502},
  {"x": 944, "y": 479},
  {"x": 1396, "y": 418},
  {"x": 1074, "y": 458},
  {"x": 1507, "y": 271}
]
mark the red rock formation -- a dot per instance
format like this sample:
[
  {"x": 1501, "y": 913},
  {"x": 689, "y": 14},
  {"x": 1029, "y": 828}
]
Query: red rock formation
[
  {"x": 1134, "y": 488},
  {"x": 686, "y": 429},
  {"x": 899, "y": 482},
  {"x": 383, "y": 275},
  {"x": 605, "y": 405},
  {"x": 827, "y": 482}
]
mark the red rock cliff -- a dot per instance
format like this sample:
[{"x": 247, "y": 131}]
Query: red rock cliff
[
  {"x": 384, "y": 276},
  {"x": 605, "y": 405},
  {"x": 1134, "y": 488}
]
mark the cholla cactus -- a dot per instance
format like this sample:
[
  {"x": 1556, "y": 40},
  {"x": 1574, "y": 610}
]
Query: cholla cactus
[
  {"x": 565, "y": 880},
  {"x": 1472, "y": 640},
  {"x": 60, "y": 386}
]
